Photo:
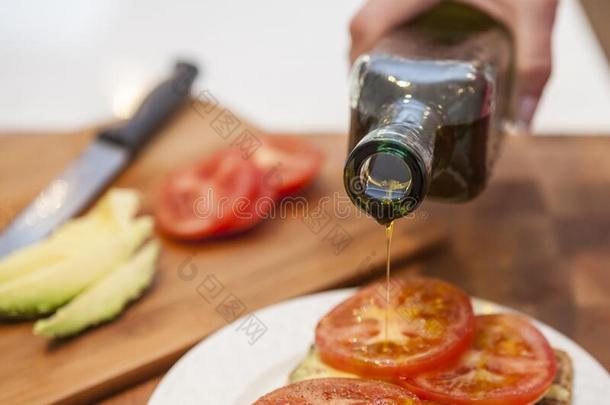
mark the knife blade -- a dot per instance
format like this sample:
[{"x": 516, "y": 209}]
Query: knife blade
[{"x": 87, "y": 176}]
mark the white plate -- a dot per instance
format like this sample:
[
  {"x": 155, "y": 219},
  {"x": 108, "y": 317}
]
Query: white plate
[{"x": 232, "y": 367}]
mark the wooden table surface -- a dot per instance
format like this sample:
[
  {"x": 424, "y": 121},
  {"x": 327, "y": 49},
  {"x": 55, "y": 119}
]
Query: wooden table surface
[{"x": 538, "y": 240}]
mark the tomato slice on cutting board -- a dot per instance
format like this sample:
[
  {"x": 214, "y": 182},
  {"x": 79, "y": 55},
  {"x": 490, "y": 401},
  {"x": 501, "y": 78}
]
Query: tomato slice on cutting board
[
  {"x": 289, "y": 163},
  {"x": 339, "y": 391},
  {"x": 247, "y": 212},
  {"x": 430, "y": 322},
  {"x": 509, "y": 362},
  {"x": 199, "y": 200}
]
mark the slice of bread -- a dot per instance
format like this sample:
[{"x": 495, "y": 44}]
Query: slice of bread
[{"x": 560, "y": 393}]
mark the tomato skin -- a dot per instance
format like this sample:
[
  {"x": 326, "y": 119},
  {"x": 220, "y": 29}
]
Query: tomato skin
[
  {"x": 288, "y": 162},
  {"x": 527, "y": 376},
  {"x": 255, "y": 209},
  {"x": 323, "y": 391},
  {"x": 343, "y": 339},
  {"x": 196, "y": 201}
]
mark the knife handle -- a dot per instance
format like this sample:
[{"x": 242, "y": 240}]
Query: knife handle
[{"x": 156, "y": 107}]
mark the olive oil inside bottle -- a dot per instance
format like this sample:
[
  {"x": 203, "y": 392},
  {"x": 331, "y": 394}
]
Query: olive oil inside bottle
[
  {"x": 383, "y": 187},
  {"x": 386, "y": 178},
  {"x": 464, "y": 154}
]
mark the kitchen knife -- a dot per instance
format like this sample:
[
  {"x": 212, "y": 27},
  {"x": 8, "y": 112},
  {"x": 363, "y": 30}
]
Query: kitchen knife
[{"x": 86, "y": 177}]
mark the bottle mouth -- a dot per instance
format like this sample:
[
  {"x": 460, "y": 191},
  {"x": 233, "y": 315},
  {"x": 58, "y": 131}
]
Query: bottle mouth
[{"x": 385, "y": 179}]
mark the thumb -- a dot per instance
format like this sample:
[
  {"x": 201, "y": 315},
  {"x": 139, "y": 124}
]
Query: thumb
[{"x": 377, "y": 17}]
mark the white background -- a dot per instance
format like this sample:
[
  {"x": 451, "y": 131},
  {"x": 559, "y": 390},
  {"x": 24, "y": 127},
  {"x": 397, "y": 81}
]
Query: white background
[{"x": 281, "y": 64}]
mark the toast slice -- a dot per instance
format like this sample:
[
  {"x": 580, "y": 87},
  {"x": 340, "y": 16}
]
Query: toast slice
[{"x": 560, "y": 393}]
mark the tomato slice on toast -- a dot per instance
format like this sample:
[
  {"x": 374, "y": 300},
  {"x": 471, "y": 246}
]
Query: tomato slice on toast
[
  {"x": 430, "y": 323},
  {"x": 509, "y": 363},
  {"x": 339, "y": 391}
]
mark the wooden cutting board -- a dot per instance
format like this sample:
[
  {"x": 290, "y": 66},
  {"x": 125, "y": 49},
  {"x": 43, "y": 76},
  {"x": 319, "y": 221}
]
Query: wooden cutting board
[{"x": 199, "y": 287}]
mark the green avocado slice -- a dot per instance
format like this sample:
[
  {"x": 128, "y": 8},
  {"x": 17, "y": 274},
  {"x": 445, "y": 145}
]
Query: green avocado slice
[
  {"x": 111, "y": 215},
  {"x": 104, "y": 300},
  {"x": 312, "y": 366},
  {"x": 48, "y": 288}
]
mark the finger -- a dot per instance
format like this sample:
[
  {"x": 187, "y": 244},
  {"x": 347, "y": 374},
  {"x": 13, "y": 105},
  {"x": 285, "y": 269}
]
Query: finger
[
  {"x": 503, "y": 11},
  {"x": 531, "y": 23},
  {"x": 533, "y": 35},
  {"x": 377, "y": 17}
]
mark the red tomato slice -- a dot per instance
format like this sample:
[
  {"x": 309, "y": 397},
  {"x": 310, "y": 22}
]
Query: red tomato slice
[
  {"x": 510, "y": 362},
  {"x": 430, "y": 322},
  {"x": 288, "y": 162},
  {"x": 324, "y": 391},
  {"x": 249, "y": 211},
  {"x": 197, "y": 201}
]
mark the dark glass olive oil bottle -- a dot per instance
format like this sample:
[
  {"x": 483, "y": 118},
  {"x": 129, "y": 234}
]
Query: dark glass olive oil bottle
[{"x": 428, "y": 104}]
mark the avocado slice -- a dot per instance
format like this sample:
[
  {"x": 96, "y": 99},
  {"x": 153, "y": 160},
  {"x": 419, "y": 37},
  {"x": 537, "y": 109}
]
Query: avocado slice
[
  {"x": 117, "y": 207},
  {"x": 69, "y": 240},
  {"x": 44, "y": 290},
  {"x": 104, "y": 300},
  {"x": 112, "y": 214},
  {"x": 28, "y": 259},
  {"x": 313, "y": 367}
]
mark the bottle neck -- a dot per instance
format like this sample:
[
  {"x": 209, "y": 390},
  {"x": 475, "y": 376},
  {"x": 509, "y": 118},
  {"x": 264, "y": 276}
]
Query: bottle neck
[
  {"x": 412, "y": 123},
  {"x": 388, "y": 171}
]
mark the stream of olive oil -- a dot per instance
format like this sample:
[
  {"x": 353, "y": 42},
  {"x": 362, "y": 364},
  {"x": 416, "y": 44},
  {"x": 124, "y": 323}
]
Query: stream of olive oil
[
  {"x": 382, "y": 187},
  {"x": 389, "y": 230}
]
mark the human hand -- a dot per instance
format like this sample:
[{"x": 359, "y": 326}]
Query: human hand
[{"x": 530, "y": 21}]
